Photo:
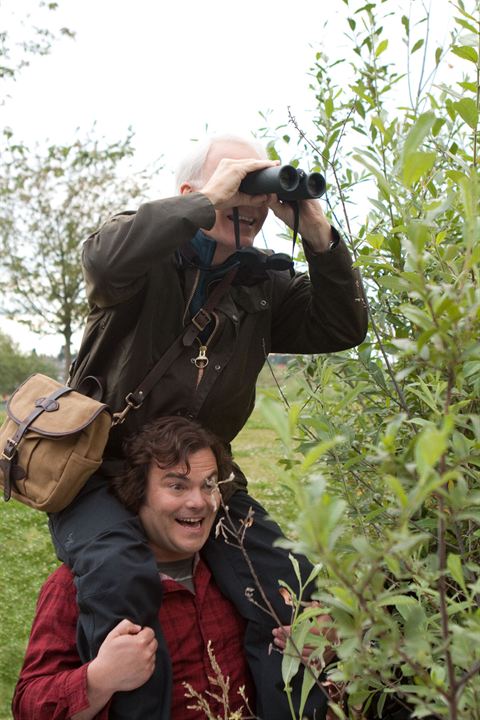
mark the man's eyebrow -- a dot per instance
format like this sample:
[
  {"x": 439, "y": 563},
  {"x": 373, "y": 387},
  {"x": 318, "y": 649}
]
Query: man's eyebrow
[
  {"x": 184, "y": 476},
  {"x": 176, "y": 475}
]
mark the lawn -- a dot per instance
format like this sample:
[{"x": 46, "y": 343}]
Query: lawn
[{"x": 27, "y": 556}]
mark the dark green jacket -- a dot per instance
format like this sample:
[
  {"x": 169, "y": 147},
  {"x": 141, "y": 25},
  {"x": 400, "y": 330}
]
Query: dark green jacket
[{"x": 139, "y": 299}]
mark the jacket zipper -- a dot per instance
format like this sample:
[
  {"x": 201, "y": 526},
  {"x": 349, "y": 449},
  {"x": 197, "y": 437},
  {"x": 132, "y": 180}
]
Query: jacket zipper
[
  {"x": 201, "y": 361},
  {"x": 192, "y": 293}
]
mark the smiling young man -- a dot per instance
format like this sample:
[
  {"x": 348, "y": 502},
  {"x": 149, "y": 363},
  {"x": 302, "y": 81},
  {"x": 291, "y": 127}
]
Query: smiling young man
[{"x": 172, "y": 483}]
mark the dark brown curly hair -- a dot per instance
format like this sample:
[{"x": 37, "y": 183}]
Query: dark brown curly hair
[{"x": 167, "y": 441}]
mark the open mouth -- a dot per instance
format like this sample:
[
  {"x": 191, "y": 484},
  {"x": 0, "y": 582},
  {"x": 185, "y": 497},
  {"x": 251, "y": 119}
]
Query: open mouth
[
  {"x": 193, "y": 523},
  {"x": 243, "y": 219}
]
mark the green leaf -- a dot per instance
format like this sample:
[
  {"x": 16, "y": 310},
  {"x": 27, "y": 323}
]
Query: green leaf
[
  {"x": 454, "y": 564},
  {"x": 418, "y": 132},
  {"x": 417, "y": 316},
  {"x": 397, "y": 488},
  {"x": 429, "y": 448},
  {"x": 466, "y": 53},
  {"x": 276, "y": 417},
  {"x": 381, "y": 48},
  {"x": 328, "y": 107},
  {"x": 290, "y": 663},
  {"x": 271, "y": 151},
  {"x": 468, "y": 111},
  {"x": 396, "y": 600},
  {"x": 308, "y": 682},
  {"x": 416, "y": 165},
  {"x": 392, "y": 282},
  {"x": 417, "y": 45},
  {"x": 291, "y": 658},
  {"x": 375, "y": 240},
  {"x": 315, "y": 453}
]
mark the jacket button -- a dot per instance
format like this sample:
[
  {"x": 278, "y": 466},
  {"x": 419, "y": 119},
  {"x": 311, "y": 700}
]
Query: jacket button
[
  {"x": 235, "y": 318},
  {"x": 218, "y": 368},
  {"x": 263, "y": 303}
]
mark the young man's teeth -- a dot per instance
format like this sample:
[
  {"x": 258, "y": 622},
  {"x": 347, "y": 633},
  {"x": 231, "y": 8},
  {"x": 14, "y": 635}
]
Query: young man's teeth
[{"x": 189, "y": 521}]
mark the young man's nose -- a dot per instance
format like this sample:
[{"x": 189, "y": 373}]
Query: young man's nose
[{"x": 196, "y": 498}]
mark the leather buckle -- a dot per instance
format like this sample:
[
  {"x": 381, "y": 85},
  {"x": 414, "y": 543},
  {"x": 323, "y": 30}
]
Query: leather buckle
[
  {"x": 9, "y": 450},
  {"x": 201, "y": 319}
]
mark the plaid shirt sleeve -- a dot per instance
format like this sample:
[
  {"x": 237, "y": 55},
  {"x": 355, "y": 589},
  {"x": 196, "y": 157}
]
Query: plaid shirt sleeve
[{"x": 53, "y": 683}]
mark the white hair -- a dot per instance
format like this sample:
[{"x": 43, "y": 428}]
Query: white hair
[{"x": 191, "y": 167}]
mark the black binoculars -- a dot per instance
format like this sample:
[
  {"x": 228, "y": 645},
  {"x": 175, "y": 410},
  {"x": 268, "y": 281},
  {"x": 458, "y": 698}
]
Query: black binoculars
[{"x": 288, "y": 182}]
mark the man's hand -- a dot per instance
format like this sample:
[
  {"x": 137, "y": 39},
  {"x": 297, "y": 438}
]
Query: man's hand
[
  {"x": 125, "y": 660},
  {"x": 222, "y": 186},
  {"x": 322, "y": 625},
  {"x": 313, "y": 225}
]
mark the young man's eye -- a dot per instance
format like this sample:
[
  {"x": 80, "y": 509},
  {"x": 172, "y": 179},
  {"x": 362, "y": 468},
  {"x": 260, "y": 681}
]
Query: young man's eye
[
  {"x": 177, "y": 487},
  {"x": 210, "y": 485}
]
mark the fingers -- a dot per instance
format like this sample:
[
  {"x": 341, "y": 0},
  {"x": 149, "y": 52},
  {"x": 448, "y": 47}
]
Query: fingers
[
  {"x": 280, "y": 635},
  {"x": 222, "y": 187},
  {"x": 322, "y": 627},
  {"x": 124, "y": 627},
  {"x": 144, "y": 636}
]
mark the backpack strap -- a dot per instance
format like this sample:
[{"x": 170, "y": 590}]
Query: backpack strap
[{"x": 200, "y": 320}]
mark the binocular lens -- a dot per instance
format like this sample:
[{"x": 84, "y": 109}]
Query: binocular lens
[
  {"x": 271, "y": 180},
  {"x": 288, "y": 182},
  {"x": 315, "y": 184},
  {"x": 288, "y": 178}
]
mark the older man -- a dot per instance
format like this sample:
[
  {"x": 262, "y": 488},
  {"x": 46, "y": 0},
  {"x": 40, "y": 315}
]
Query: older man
[
  {"x": 170, "y": 294},
  {"x": 172, "y": 482}
]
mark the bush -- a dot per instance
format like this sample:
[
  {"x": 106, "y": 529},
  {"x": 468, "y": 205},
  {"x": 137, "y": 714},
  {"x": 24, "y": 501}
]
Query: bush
[{"x": 389, "y": 435}]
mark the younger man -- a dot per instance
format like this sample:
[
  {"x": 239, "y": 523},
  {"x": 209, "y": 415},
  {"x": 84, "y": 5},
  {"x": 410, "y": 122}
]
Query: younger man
[{"x": 174, "y": 468}]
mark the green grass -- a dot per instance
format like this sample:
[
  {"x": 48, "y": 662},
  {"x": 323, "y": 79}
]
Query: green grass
[
  {"x": 27, "y": 556},
  {"x": 26, "y": 559}
]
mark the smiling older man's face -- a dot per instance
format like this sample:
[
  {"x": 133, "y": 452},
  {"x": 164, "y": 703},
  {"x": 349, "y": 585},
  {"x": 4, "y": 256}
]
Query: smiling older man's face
[{"x": 251, "y": 218}]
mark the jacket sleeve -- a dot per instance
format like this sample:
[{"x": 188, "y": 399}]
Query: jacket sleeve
[
  {"x": 117, "y": 257},
  {"x": 53, "y": 682},
  {"x": 322, "y": 311}
]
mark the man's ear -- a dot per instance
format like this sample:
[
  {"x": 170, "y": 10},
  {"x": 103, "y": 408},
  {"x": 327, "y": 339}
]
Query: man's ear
[{"x": 186, "y": 188}]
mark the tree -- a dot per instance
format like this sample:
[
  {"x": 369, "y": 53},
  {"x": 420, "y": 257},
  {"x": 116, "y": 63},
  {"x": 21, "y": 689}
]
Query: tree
[
  {"x": 15, "y": 366},
  {"x": 50, "y": 201},
  {"x": 26, "y": 36},
  {"x": 382, "y": 444}
]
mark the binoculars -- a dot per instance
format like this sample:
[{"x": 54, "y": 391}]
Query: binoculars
[{"x": 288, "y": 182}]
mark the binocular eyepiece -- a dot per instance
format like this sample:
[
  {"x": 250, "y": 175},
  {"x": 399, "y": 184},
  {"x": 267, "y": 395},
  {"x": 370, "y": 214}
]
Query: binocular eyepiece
[{"x": 286, "y": 181}]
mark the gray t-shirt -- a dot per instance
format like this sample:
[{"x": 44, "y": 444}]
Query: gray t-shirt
[{"x": 179, "y": 570}]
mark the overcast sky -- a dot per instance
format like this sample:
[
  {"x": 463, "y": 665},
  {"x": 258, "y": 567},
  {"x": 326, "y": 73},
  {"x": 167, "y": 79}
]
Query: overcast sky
[{"x": 171, "y": 71}]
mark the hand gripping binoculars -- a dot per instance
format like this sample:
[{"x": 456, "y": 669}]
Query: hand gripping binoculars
[{"x": 288, "y": 182}]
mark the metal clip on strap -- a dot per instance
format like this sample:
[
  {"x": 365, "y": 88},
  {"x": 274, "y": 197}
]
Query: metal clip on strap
[{"x": 132, "y": 404}]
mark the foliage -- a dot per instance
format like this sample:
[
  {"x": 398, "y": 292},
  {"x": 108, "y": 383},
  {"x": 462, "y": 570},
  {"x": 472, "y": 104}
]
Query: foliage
[
  {"x": 15, "y": 366},
  {"x": 382, "y": 443},
  {"x": 50, "y": 201},
  {"x": 27, "y": 35}
]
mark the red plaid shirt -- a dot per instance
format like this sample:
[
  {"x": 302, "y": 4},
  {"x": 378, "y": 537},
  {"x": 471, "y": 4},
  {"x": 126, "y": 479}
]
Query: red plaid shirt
[{"x": 53, "y": 683}]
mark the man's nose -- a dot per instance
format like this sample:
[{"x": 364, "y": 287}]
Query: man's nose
[{"x": 196, "y": 499}]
